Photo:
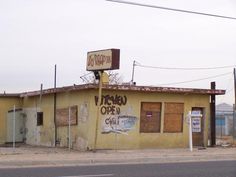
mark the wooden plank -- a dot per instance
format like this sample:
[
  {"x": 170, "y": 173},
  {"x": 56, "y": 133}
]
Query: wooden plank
[
  {"x": 174, "y": 108},
  {"x": 150, "y": 119},
  {"x": 151, "y": 106},
  {"x": 173, "y": 123},
  {"x": 62, "y": 116}
]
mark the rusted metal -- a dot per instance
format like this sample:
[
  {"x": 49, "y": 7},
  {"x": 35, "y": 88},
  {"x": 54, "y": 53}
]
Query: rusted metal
[{"x": 127, "y": 88}]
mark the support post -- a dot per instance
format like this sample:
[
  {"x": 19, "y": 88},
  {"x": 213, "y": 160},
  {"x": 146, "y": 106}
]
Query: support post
[
  {"x": 234, "y": 110},
  {"x": 98, "y": 109},
  {"x": 234, "y": 123},
  {"x": 132, "y": 79},
  {"x": 69, "y": 134},
  {"x": 190, "y": 132},
  {"x": 41, "y": 93},
  {"x": 55, "y": 104},
  {"x": 14, "y": 128},
  {"x": 213, "y": 115},
  {"x": 234, "y": 88}
]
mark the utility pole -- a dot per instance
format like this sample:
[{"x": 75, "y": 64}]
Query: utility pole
[
  {"x": 234, "y": 88},
  {"x": 213, "y": 115},
  {"x": 234, "y": 108}
]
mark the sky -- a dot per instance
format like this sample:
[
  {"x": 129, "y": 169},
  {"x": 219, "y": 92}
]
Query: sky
[{"x": 35, "y": 35}]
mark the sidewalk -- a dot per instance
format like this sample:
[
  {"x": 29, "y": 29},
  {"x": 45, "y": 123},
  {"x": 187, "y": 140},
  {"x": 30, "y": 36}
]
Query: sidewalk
[{"x": 28, "y": 156}]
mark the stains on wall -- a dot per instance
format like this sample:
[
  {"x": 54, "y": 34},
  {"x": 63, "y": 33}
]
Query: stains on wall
[
  {"x": 81, "y": 144},
  {"x": 84, "y": 112}
]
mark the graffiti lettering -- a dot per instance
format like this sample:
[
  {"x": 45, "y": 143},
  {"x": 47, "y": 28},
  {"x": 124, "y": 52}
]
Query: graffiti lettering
[
  {"x": 110, "y": 110},
  {"x": 112, "y": 100},
  {"x": 110, "y": 105},
  {"x": 118, "y": 124},
  {"x": 111, "y": 121}
]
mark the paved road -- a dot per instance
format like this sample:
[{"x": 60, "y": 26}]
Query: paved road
[{"x": 193, "y": 169}]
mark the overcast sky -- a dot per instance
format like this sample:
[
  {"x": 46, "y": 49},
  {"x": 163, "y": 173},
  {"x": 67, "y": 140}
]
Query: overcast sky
[{"x": 37, "y": 34}]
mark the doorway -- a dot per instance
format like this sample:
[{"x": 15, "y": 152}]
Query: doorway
[
  {"x": 19, "y": 126},
  {"x": 198, "y": 127}
]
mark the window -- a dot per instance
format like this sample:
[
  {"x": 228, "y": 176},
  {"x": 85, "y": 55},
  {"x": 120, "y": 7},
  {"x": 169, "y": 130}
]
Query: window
[
  {"x": 173, "y": 117},
  {"x": 150, "y": 120},
  {"x": 39, "y": 118}
]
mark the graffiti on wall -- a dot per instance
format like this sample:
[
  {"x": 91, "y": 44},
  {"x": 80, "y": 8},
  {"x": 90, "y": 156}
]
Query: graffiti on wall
[
  {"x": 118, "y": 123},
  {"x": 115, "y": 120},
  {"x": 110, "y": 105}
]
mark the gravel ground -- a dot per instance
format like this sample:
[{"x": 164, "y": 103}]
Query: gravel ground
[{"x": 25, "y": 156}]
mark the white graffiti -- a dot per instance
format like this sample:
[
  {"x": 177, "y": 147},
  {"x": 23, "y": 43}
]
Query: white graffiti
[{"x": 118, "y": 123}]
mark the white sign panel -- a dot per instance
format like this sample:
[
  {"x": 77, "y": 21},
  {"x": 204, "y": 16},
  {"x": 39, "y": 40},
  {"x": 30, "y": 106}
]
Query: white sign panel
[{"x": 196, "y": 124}]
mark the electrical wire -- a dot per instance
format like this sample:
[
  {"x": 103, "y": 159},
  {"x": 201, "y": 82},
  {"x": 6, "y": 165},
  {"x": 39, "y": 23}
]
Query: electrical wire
[
  {"x": 175, "y": 83},
  {"x": 175, "y": 68},
  {"x": 172, "y": 9}
]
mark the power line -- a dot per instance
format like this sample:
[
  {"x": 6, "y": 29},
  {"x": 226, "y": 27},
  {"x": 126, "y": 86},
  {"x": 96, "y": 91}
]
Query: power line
[
  {"x": 219, "y": 75},
  {"x": 172, "y": 9},
  {"x": 176, "y": 68}
]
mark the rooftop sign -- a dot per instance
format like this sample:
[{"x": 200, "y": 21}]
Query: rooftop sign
[{"x": 103, "y": 60}]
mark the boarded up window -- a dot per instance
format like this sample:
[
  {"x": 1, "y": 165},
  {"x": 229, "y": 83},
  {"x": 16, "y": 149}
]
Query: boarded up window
[
  {"x": 62, "y": 116},
  {"x": 173, "y": 117},
  {"x": 150, "y": 120}
]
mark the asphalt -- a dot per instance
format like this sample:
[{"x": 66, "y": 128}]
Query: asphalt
[{"x": 34, "y": 156}]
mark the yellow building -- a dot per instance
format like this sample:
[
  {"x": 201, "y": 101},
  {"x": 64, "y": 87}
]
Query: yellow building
[
  {"x": 7, "y": 102},
  {"x": 128, "y": 116}
]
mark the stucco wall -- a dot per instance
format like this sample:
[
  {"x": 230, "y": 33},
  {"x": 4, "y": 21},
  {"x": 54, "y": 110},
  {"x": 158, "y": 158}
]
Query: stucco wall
[
  {"x": 45, "y": 134},
  {"x": 133, "y": 139},
  {"x": 126, "y": 103}
]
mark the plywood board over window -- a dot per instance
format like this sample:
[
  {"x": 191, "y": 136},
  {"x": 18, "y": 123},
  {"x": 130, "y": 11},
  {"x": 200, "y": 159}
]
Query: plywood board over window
[
  {"x": 150, "y": 117},
  {"x": 173, "y": 117},
  {"x": 62, "y": 116}
]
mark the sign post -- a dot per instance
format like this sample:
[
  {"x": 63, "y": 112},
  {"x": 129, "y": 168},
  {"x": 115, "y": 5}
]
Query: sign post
[
  {"x": 98, "y": 61},
  {"x": 190, "y": 132},
  {"x": 14, "y": 128}
]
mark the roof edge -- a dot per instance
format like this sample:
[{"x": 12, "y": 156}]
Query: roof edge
[
  {"x": 10, "y": 95},
  {"x": 125, "y": 88}
]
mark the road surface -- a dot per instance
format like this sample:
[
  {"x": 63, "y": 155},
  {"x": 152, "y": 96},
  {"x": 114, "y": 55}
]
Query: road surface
[{"x": 191, "y": 169}]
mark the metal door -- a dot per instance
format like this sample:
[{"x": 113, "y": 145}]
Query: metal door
[{"x": 19, "y": 126}]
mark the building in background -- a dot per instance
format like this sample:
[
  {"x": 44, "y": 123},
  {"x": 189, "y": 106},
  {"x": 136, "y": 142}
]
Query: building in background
[{"x": 224, "y": 120}]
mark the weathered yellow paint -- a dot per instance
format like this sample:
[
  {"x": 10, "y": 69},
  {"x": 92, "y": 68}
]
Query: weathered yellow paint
[
  {"x": 6, "y": 104},
  {"x": 83, "y": 134},
  {"x": 135, "y": 140}
]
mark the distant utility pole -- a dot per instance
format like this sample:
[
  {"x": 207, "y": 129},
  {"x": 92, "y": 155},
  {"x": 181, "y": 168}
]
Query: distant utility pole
[
  {"x": 234, "y": 109},
  {"x": 235, "y": 88}
]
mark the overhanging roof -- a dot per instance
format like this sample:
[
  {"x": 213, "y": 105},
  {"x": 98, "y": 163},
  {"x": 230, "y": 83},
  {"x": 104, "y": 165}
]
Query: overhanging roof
[
  {"x": 10, "y": 95},
  {"x": 126, "y": 88}
]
